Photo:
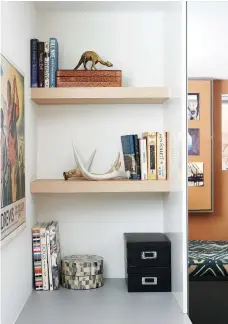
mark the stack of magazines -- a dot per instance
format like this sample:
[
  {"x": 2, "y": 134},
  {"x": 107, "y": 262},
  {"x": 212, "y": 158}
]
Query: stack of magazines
[{"x": 46, "y": 256}]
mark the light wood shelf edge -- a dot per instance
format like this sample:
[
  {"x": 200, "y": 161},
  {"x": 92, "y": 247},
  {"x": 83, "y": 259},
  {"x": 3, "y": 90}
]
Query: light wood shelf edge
[
  {"x": 109, "y": 95},
  {"x": 49, "y": 186}
]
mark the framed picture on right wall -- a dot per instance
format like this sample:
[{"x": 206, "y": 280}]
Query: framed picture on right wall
[{"x": 200, "y": 153}]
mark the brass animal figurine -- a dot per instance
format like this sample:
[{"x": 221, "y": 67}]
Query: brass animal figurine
[{"x": 94, "y": 58}]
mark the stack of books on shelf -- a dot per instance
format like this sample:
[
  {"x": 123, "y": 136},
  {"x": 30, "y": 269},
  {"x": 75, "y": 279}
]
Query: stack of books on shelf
[
  {"x": 44, "y": 63},
  {"x": 46, "y": 256},
  {"x": 145, "y": 155}
]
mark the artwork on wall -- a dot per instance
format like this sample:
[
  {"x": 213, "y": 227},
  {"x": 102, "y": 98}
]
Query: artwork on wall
[
  {"x": 225, "y": 132},
  {"x": 195, "y": 174},
  {"x": 193, "y": 141},
  {"x": 12, "y": 151},
  {"x": 193, "y": 106}
]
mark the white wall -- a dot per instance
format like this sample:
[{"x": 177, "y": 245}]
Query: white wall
[
  {"x": 207, "y": 39},
  {"x": 16, "y": 267},
  {"x": 134, "y": 41},
  {"x": 175, "y": 121}
]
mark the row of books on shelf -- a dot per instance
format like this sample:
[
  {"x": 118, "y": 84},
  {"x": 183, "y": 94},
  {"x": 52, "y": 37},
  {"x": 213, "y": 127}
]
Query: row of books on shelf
[
  {"x": 46, "y": 256},
  {"x": 145, "y": 155},
  {"x": 44, "y": 63}
]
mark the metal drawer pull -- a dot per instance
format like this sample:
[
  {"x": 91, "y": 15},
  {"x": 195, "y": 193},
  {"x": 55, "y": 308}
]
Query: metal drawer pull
[
  {"x": 149, "y": 255},
  {"x": 153, "y": 281}
]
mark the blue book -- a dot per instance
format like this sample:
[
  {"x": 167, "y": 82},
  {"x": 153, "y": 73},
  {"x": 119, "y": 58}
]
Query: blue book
[
  {"x": 128, "y": 146},
  {"x": 53, "y": 61},
  {"x": 34, "y": 62}
]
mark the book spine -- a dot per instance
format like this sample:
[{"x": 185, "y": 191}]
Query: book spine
[
  {"x": 151, "y": 155},
  {"x": 128, "y": 147},
  {"x": 44, "y": 262},
  {"x": 54, "y": 255},
  {"x": 53, "y": 62},
  {"x": 137, "y": 157},
  {"x": 46, "y": 64},
  {"x": 37, "y": 264},
  {"x": 143, "y": 158},
  {"x": 34, "y": 62},
  {"x": 41, "y": 64},
  {"x": 162, "y": 156},
  {"x": 49, "y": 258}
]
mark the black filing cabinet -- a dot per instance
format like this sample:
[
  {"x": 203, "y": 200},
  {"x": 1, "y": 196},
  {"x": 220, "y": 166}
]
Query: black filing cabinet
[{"x": 147, "y": 262}]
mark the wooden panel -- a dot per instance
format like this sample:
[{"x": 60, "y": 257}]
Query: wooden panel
[
  {"x": 200, "y": 198},
  {"x": 57, "y": 96},
  {"x": 214, "y": 226},
  {"x": 85, "y": 186}
]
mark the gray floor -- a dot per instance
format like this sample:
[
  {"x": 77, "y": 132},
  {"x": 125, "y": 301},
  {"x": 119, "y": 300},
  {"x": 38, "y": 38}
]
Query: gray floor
[{"x": 111, "y": 304}]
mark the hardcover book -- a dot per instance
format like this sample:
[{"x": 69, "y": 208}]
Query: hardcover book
[
  {"x": 128, "y": 147},
  {"x": 162, "y": 156},
  {"x": 38, "y": 277},
  {"x": 151, "y": 138},
  {"x": 137, "y": 157},
  {"x": 53, "y": 61},
  {"x": 46, "y": 64},
  {"x": 55, "y": 254},
  {"x": 143, "y": 158},
  {"x": 41, "y": 64},
  {"x": 44, "y": 261},
  {"x": 34, "y": 62},
  {"x": 49, "y": 256}
]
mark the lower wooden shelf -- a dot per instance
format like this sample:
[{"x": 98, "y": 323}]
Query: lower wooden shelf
[{"x": 49, "y": 186}]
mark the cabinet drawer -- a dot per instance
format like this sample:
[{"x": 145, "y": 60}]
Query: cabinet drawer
[
  {"x": 147, "y": 250},
  {"x": 148, "y": 255},
  {"x": 157, "y": 281}
]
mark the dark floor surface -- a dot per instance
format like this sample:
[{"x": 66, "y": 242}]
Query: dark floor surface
[{"x": 208, "y": 302}]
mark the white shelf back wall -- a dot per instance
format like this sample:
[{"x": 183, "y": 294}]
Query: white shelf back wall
[
  {"x": 175, "y": 121},
  {"x": 134, "y": 42}
]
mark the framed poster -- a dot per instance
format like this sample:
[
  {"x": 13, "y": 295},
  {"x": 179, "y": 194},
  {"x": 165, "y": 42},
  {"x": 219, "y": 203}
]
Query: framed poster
[
  {"x": 12, "y": 151},
  {"x": 200, "y": 145}
]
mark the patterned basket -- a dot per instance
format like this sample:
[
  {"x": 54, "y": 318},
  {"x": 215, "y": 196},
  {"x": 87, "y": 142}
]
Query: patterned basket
[{"x": 82, "y": 272}]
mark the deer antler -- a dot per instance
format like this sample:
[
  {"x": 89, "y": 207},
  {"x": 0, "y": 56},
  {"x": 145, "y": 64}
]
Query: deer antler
[{"x": 93, "y": 176}]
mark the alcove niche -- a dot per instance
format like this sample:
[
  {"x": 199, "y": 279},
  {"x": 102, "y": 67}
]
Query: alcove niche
[{"x": 146, "y": 40}]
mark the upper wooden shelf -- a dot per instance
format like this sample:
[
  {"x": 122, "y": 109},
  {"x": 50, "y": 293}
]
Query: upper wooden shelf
[
  {"x": 123, "y": 95},
  {"x": 48, "y": 186}
]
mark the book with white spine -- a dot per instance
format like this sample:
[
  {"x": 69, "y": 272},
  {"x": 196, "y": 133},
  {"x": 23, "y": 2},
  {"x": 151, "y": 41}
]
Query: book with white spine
[
  {"x": 44, "y": 261},
  {"x": 143, "y": 158},
  {"x": 55, "y": 254},
  {"x": 46, "y": 64},
  {"x": 49, "y": 256}
]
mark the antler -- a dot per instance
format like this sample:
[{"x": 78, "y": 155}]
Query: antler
[
  {"x": 93, "y": 176},
  {"x": 76, "y": 173}
]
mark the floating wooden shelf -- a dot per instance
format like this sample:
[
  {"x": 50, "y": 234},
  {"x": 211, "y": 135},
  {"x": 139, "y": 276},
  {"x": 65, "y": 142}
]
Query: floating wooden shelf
[
  {"x": 123, "y": 95},
  {"x": 48, "y": 186}
]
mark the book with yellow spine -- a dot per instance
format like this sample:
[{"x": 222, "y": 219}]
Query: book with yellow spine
[
  {"x": 151, "y": 138},
  {"x": 162, "y": 156}
]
